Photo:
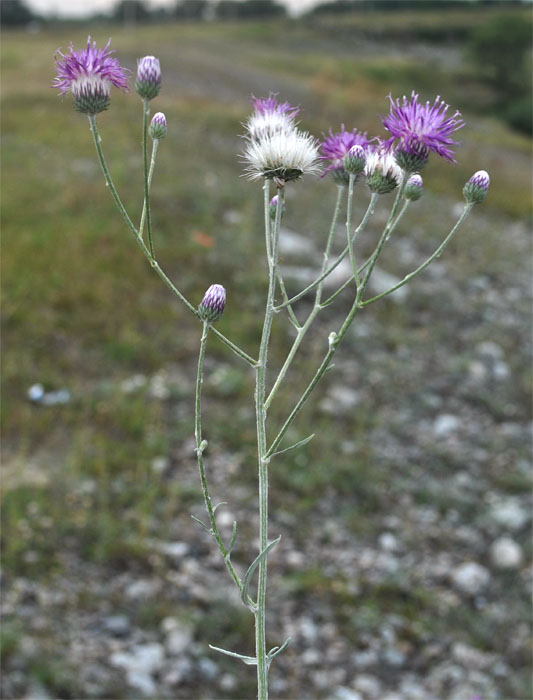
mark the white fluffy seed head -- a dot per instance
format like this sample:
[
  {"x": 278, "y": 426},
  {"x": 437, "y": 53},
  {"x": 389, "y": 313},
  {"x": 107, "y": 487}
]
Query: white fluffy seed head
[
  {"x": 283, "y": 155},
  {"x": 383, "y": 163}
]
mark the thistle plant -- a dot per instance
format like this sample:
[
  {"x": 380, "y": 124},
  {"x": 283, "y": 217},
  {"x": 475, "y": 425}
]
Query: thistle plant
[{"x": 278, "y": 154}]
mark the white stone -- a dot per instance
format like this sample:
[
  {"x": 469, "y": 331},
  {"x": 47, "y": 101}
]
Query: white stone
[
  {"x": 510, "y": 514},
  {"x": 343, "y": 693},
  {"x": 369, "y": 686},
  {"x": 178, "y": 640},
  {"x": 505, "y": 553},
  {"x": 388, "y": 542},
  {"x": 133, "y": 383},
  {"x": 340, "y": 399},
  {"x": 292, "y": 243},
  {"x": 139, "y": 664},
  {"x": 470, "y": 577},
  {"x": 445, "y": 424},
  {"x": 471, "y": 658},
  {"x": 382, "y": 281},
  {"x": 160, "y": 464}
]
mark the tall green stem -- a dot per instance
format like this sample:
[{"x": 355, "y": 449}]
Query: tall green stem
[
  {"x": 302, "y": 330},
  {"x": 146, "y": 114},
  {"x": 261, "y": 414},
  {"x": 150, "y": 176},
  {"x": 200, "y": 447}
]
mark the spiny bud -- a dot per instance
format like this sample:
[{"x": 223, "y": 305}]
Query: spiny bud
[
  {"x": 212, "y": 305},
  {"x": 476, "y": 189},
  {"x": 148, "y": 81},
  {"x": 158, "y": 126},
  {"x": 274, "y": 205},
  {"x": 355, "y": 159},
  {"x": 413, "y": 188},
  {"x": 412, "y": 156}
]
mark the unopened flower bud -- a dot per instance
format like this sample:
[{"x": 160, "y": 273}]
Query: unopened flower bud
[
  {"x": 148, "y": 82},
  {"x": 413, "y": 188},
  {"x": 355, "y": 159},
  {"x": 476, "y": 189},
  {"x": 274, "y": 205},
  {"x": 412, "y": 157},
  {"x": 212, "y": 305},
  {"x": 158, "y": 126}
]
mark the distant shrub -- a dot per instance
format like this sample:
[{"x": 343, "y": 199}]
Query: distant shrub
[{"x": 500, "y": 51}]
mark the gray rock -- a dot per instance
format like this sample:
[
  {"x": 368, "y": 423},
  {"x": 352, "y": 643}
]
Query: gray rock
[
  {"x": 339, "y": 399},
  {"x": 393, "y": 657},
  {"x": 388, "y": 542},
  {"x": 343, "y": 693},
  {"x": 208, "y": 668},
  {"x": 117, "y": 625},
  {"x": 382, "y": 281},
  {"x": 445, "y": 424},
  {"x": 178, "y": 640},
  {"x": 368, "y": 686},
  {"x": 470, "y": 577},
  {"x": 140, "y": 664},
  {"x": 292, "y": 243},
  {"x": 142, "y": 589},
  {"x": 509, "y": 513},
  {"x": 505, "y": 553}
]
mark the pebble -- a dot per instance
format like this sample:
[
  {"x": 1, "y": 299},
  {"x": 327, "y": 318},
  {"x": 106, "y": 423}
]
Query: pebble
[
  {"x": 160, "y": 464},
  {"x": 471, "y": 658},
  {"x": 139, "y": 664},
  {"x": 208, "y": 668},
  {"x": 470, "y": 577},
  {"x": 117, "y": 625},
  {"x": 343, "y": 693},
  {"x": 388, "y": 542},
  {"x": 382, "y": 281},
  {"x": 340, "y": 399},
  {"x": 142, "y": 588},
  {"x": 178, "y": 640},
  {"x": 445, "y": 424},
  {"x": 131, "y": 384},
  {"x": 509, "y": 513},
  {"x": 394, "y": 657},
  {"x": 369, "y": 686},
  {"x": 505, "y": 553}
]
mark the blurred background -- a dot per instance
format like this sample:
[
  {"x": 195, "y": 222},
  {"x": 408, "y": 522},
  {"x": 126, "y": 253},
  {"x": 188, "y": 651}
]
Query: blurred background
[{"x": 402, "y": 572}]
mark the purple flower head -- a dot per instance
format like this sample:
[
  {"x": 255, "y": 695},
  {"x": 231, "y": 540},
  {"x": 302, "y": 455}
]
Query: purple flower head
[
  {"x": 212, "y": 305},
  {"x": 477, "y": 188},
  {"x": 336, "y": 146},
  {"x": 270, "y": 118},
  {"x": 419, "y": 129},
  {"x": 158, "y": 126},
  {"x": 413, "y": 188},
  {"x": 270, "y": 105},
  {"x": 89, "y": 74},
  {"x": 148, "y": 81}
]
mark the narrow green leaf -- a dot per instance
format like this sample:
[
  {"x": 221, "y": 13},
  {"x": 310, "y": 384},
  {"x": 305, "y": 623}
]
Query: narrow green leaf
[
  {"x": 301, "y": 443},
  {"x": 232, "y": 541},
  {"x": 248, "y": 660},
  {"x": 277, "y": 650},
  {"x": 253, "y": 566},
  {"x": 201, "y": 523}
]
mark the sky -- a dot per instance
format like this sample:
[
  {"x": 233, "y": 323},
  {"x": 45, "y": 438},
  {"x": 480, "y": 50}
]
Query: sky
[{"x": 80, "y": 8}]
